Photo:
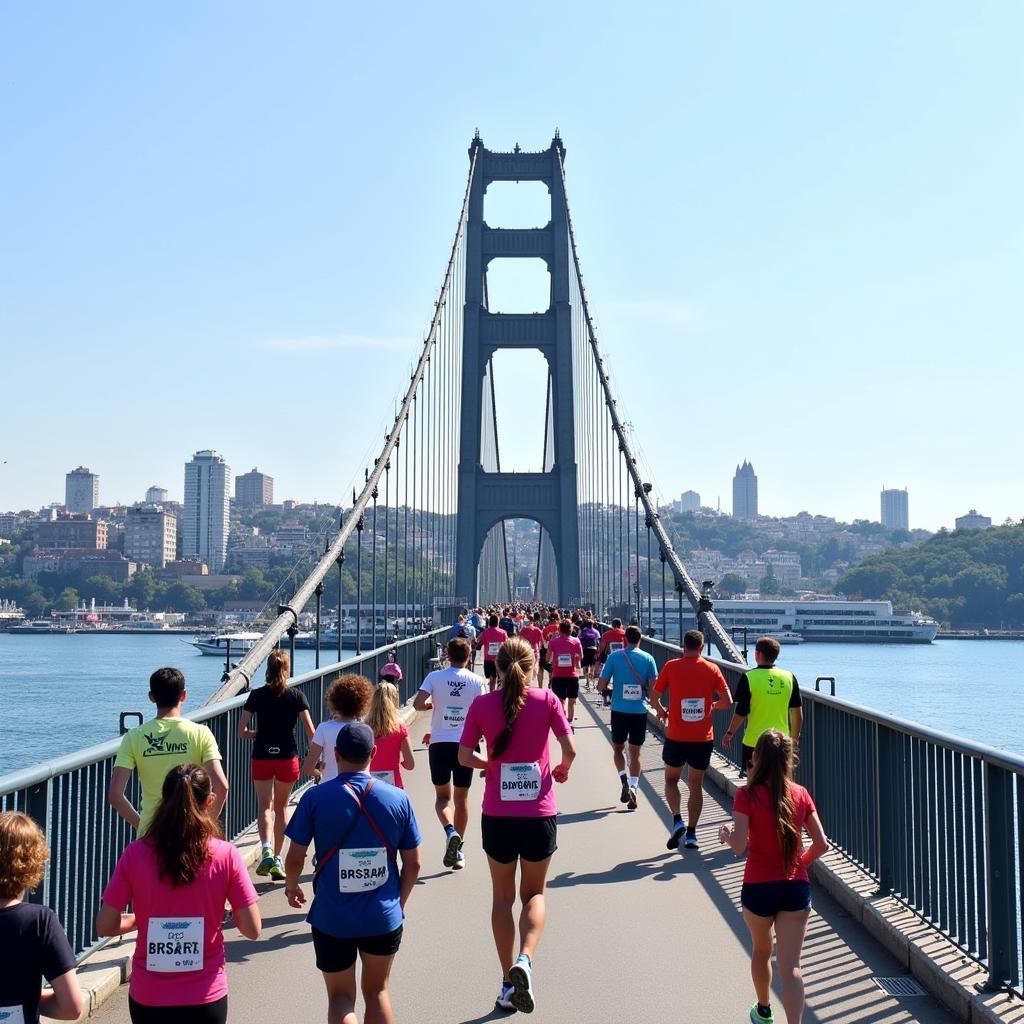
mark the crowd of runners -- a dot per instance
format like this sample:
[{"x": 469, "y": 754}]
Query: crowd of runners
[{"x": 171, "y": 885}]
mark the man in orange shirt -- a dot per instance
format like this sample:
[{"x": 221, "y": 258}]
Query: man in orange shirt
[{"x": 696, "y": 688}]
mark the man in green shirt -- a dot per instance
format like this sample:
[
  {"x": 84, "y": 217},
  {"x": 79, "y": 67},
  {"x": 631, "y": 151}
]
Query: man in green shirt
[{"x": 155, "y": 747}]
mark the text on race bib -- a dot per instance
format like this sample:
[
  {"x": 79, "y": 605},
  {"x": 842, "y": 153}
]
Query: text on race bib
[
  {"x": 520, "y": 781},
  {"x": 692, "y": 709},
  {"x": 632, "y": 691},
  {"x": 565, "y": 661},
  {"x": 615, "y": 646},
  {"x": 174, "y": 945},
  {"x": 362, "y": 870},
  {"x": 493, "y": 647},
  {"x": 453, "y": 717},
  {"x": 385, "y": 776}
]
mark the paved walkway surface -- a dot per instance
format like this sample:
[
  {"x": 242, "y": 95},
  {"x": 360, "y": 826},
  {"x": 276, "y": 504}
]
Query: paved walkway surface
[{"x": 635, "y": 933}]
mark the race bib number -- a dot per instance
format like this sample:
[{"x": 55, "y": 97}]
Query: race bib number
[
  {"x": 615, "y": 646},
  {"x": 520, "y": 781},
  {"x": 386, "y": 776},
  {"x": 492, "y": 647},
  {"x": 565, "y": 661},
  {"x": 632, "y": 691},
  {"x": 453, "y": 717},
  {"x": 692, "y": 709},
  {"x": 362, "y": 870},
  {"x": 174, "y": 945}
]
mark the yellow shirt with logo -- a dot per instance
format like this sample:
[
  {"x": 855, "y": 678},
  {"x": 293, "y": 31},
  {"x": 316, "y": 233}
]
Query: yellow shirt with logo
[{"x": 155, "y": 747}]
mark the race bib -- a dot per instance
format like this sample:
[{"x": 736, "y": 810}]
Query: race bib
[
  {"x": 520, "y": 781},
  {"x": 174, "y": 945},
  {"x": 615, "y": 646},
  {"x": 453, "y": 717},
  {"x": 632, "y": 691},
  {"x": 565, "y": 661},
  {"x": 362, "y": 870},
  {"x": 388, "y": 777},
  {"x": 692, "y": 709},
  {"x": 492, "y": 647},
  {"x": 12, "y": 1015}
]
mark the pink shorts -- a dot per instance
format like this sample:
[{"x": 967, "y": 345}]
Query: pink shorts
[{"x": 281, "y": 769}]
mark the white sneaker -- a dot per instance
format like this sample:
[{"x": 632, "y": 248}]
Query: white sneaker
[
  {"x": 504, "y": 1000},
  {"x": 521, "y": 976},
  {"x": 460, "y": 861}
]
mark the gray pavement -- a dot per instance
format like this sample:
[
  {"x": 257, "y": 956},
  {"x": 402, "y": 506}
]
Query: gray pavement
[{"x": 634, "y": 933}]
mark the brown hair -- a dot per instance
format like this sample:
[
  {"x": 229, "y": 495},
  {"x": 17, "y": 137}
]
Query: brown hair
[
  {"x": 514, "y": 665},
  {"x": 773, "y": 768},
  {"x": 693, "y": 640},
  {"x": 349, "y": 695},
  {"x": 768, "y": 647},
  {"x": 565, "y": 627},
  {"x": 23, "y": 854},
  {"x": 383, "y": 715},
  {"x": 279, "y": 668},
  {"x": 459, "y": 650},
  {"x": 633, "y": 634},
  {"x": 182, "y": 827}
]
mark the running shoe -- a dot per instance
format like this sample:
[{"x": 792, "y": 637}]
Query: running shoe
[
  {"x": 690, "y": 841},
  {"x": 677, "y": 834},
  {"x": 266, "y": 862},
  {"x": 521, "y": 976},
  {"x": 757, "y": 1018},
  {"x": 277, "y": 870},
  {"x": 631, "y": 805},
  {"x": 460, "y": 861},
  {"x": 451, "y": 850},
  {"x": 624, "y": 794},
  {"x": 504, "y": 1000}
]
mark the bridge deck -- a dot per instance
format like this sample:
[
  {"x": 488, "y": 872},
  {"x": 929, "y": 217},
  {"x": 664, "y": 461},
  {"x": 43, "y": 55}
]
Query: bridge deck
[{"x": 634, "y": 932}]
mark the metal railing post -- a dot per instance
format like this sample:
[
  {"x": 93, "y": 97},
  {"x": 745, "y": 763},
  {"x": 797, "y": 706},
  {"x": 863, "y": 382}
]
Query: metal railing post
[{"x": 999, "y": 876}]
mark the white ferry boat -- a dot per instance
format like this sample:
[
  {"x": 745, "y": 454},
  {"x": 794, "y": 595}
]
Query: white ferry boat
[{"x": 241, "y": 643}]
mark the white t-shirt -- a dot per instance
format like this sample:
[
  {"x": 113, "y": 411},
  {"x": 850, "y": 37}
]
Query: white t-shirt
[
  {"x": 326, "y": 735},
  {"x": 452, "y": 690}
]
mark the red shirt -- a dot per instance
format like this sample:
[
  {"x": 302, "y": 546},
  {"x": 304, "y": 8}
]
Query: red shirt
[
  {"x": 533, "y": 636},
  {"x": 561, "y": 648},
  {"x": 550, "y": 630},
  {"x": 692, "y": 684},
  {"x": 612, "y": 636},
  {"x": 764, "y": 854},
  {"x": 491, "y": 640}
]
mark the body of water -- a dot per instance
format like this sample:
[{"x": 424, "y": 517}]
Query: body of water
[{"x": 60, "y": 693}]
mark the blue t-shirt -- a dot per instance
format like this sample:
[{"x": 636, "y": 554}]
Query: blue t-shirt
[
  {"x": 630, "y": 670},
  {"x": 508, "y": 625},
  {"x": 323, "y": 816}
]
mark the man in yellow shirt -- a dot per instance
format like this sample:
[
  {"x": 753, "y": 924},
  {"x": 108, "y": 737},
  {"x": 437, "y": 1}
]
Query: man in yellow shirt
[{"x": 155, "y": 747}]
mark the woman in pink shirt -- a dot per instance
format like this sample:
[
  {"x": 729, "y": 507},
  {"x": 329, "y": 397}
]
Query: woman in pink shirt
[
  {"x": 393, "y": 750},
  {"x": 177, "y": 879},
  {"x": 518, "y": 821}
]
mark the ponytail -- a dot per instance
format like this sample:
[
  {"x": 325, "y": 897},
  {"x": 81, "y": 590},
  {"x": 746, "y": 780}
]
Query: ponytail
[
  {"x": 278, "y": 670},
  {"x": 514, "y": 665},
  {"x": 773, "y": 769},
  {"x": 382, "y": 717},
  {"x": 182, "y": 826}
]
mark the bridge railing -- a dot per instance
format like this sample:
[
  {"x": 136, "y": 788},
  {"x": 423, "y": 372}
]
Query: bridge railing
[
  {"x": 936, "y": 820},
  {"x": 68, "y": 796}
]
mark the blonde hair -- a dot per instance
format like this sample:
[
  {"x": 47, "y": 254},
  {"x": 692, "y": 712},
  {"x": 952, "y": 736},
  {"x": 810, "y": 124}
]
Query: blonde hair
[
  {"x": 23, "y": 854},
  {"x": 382, "y": 717},
  {"x": 514, "y": 665},
  {"x": 278, "y": 670}
]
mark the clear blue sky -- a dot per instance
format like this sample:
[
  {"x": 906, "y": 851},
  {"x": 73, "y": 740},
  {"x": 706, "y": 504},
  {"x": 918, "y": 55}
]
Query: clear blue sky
[{"x": 802, "y": 229}]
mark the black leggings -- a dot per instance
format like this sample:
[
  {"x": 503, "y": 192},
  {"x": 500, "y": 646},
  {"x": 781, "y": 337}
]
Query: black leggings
[{"x": 203, "y": 1013}]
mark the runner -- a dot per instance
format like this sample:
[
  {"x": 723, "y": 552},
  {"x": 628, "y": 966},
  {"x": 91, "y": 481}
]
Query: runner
[
  {"x": 361, "y": 827},
  {"x": 490, "y": 642},
  {"x": 630, "y": 671},
  {"x": 590, "y": 637},
  {"x": 177, "y": 879},
  {"x": 390, "y": 671},
  {"x": 564, "y": 658},
  {"x": 770, "y": 698},
  {"x": 518, "y": 821},
  {"x": 32, "y": 941},
  {"x": 507, "y": 623},
  {"x": 696, "y": 689},
  {"x": 534, "y": 636},
  {"x": 549, "y": 631},
  {"x": 153, "y": 748},
  {"x": 613, "y": 639},
  {"x": 393, "y": 749},
  {"x": 448, "y": 693},
  {"x": 275, "y": 760},
  {"x": 770, "y": 815},
  {"x": 348, "y": 698}
]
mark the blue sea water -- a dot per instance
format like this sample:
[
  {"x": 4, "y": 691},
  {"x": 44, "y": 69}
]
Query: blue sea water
[{"x": 61, "y": 693}]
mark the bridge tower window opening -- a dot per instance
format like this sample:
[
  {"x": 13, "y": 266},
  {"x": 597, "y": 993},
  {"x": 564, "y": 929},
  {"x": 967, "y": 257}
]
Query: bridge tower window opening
[
  {"x": 521, "y": 393},
  {"x": 517, "y": 204},
  {"x": 517, "y": 286},
  {"x": 516, "y": 565}
]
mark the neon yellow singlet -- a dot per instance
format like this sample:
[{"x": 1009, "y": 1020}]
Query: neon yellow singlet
[{"x": 770, "y": 691}]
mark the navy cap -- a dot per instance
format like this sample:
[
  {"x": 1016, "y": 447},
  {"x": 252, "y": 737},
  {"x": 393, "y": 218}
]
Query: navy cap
[{"x": 355, "y": 742}]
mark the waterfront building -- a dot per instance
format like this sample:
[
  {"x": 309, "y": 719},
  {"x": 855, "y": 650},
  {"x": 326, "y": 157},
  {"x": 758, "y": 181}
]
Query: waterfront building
[
  {"x": 156, "y": 495},
  {"x": 895, "y": 509},
  {"x": 184, "y": 567},
  {"x": 744, "y": 492},
  {"x": 974, "y": 520},
  {"x": 150, "y": 535},
  {"x": 254, "y": 489},
  {"x": 206, "y": 509},
  {"x": 689, "y": 501},
  {"x": 81, "y": 490},
  {"x": 95, "y": 562},
  {"x": 72, "y": 531}
]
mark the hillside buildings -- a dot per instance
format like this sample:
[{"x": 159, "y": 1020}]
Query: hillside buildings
[
  {"x": 150, "y": 535},
  {"x": 72, "y": 531},
  {"x": 895, "y": 509},
  {"x": 81, "y": 490},
  {"x": 156, "y": 495},
  {"x": 974, "y": 520},
  {"x": 689, "y": 501},
  {"x": 254, "y": 489},
  {"x": 205, "y": 511},
  {"x": 744, "y": 492}
]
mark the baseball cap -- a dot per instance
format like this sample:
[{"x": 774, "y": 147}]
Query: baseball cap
[{"x": 355, "y": 742}]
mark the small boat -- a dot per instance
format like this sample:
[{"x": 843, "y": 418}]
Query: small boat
[
  {"x": 41, "y": 626},
  {"x": 241, "y": 643},
  {"x": 785, "y": 636}
]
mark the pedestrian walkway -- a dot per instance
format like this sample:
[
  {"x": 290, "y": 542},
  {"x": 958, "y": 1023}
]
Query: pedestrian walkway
[{"x": 635, "y": 933}]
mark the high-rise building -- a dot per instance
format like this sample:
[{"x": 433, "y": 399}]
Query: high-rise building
[
  {"x": 744, "y": 492},
  {"x": 72, "y": 531},
  {"x": 974, "y": 520},
  {"x": 150, "y": 535},
  {"x": 689, "y": 501},
  {"x": 895, "y": 509},
  {"x": 156, "y": 495},
  {"x": 206, "y": 509},
  {"x": 254, "y": 489},
  {"x": 81, "y": 490}
]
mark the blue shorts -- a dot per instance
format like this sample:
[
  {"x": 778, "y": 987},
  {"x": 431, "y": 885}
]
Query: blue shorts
[{"x": 766, "y": 899}]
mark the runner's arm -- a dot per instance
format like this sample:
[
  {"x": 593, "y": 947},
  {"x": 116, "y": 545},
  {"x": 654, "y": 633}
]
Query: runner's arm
[
  {"x": 111, "y": 922},
  {"x": 294, "y": 862},
  {"x": 243, "y": 732},
  {"x": 723, "y": 699},
  {"x": 307, "y": 724},
  {"x": 422, "y": 701},
  {"x": 469, "y": 758},
  {"x": 560, "y": 773},
  {"x": 313, "y": 758},
  {"x": 410, "y": 872},
  {"x": 736, "y": 836},
  {"x": 219, "y": 785},
  {"x": 116, "y": 798},
  {"x": 819, "y": 844},
  {"x": 248, "y": 920},
  {"x": 65, "y": 1001},
  {"x": 408, "y": 759}
]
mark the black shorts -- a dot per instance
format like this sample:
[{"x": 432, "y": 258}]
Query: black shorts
[
  {"x": 445, "y": 767},
  {"x": 333, "y": 955},
  {"x": 565, "y": 687},
  {"x": 747, "y": 761},
  {"x": 198, "y": 1013},
  {"x": 589, "y": 656},
  {"x": 697, "y": 755},
  {"x": 490, "y": 669},
  {"x": 629, "y": 727},
  {"x": 766, "y": 899},
  {"x": 509, "y": 839},
  {"x": 543, "y": 658}
]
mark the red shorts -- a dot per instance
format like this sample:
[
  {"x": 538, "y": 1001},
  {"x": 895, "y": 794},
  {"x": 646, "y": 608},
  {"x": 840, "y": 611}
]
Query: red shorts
[{"x": 282, "y": 769}]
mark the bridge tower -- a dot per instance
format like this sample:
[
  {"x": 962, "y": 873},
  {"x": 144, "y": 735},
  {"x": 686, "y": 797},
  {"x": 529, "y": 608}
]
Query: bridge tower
[{"x": 549, "y": 497}]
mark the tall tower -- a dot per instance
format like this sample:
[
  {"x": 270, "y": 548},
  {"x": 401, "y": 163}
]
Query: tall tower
[
  {"x": 895, "y": 509},
  {"x": 206, "y": 509},
  {"x": 744, "y": 492},
  {"x": 254, "y": 489},
  {"x": 549, "y": 497},
  {"x": 81, "y": 490}
]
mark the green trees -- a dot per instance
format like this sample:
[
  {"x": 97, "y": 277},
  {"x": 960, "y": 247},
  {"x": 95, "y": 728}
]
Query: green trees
[{"x": 730, "y": 585}]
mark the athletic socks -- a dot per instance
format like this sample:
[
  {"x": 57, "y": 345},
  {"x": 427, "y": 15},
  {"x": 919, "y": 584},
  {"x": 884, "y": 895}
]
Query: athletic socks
[
  {"x": 449, "y": 830},
  {"x": 634, "y": 781},
  {"x": 677, "y": 819}
]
